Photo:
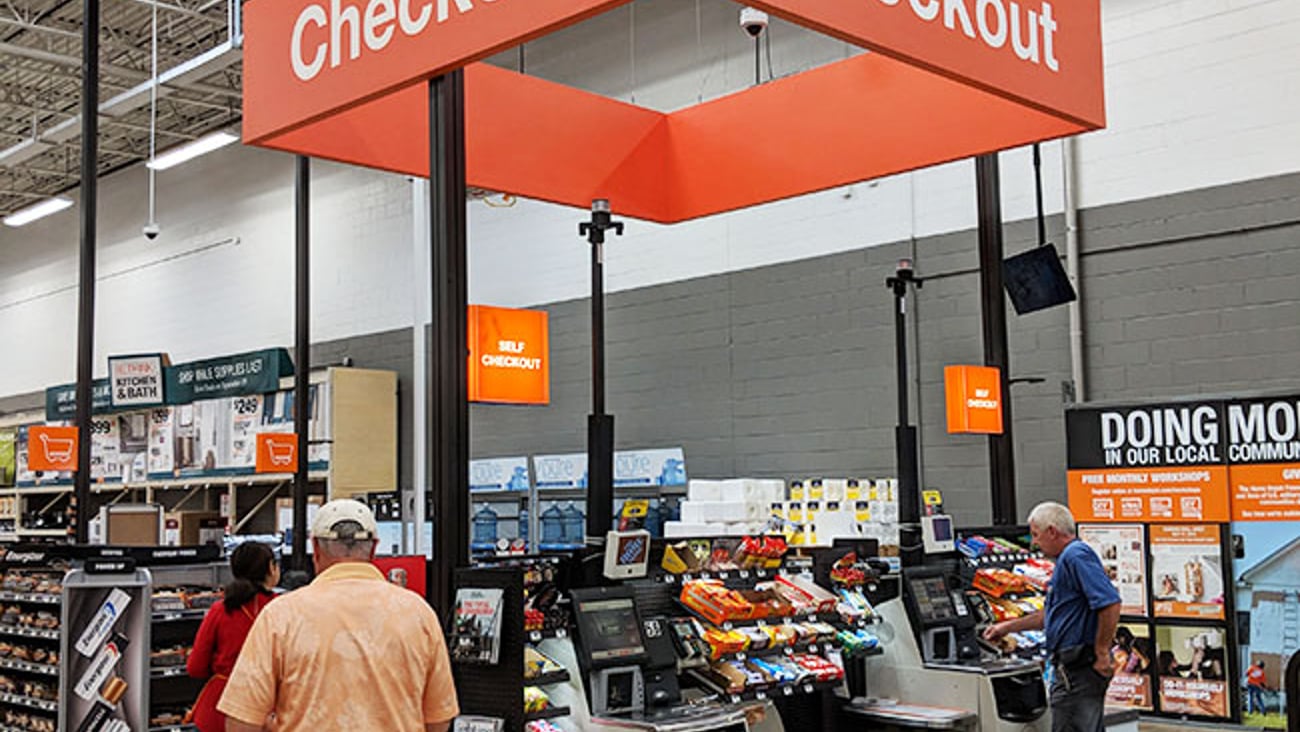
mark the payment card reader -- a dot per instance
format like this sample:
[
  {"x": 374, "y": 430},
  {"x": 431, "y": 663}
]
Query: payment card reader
[
  {"x": 937, "y": 536},
  {"x": 943, "y": 622}
]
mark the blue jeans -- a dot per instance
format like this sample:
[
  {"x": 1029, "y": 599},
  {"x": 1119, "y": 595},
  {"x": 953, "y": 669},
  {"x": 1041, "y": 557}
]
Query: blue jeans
[
  {"x": 1255, "y": 700},
  {"x": 1078, "y": 700}
]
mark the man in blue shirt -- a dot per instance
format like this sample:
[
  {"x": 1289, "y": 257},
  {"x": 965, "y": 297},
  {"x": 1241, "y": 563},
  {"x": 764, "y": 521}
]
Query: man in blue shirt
[{"x": 1079, "y": 620}]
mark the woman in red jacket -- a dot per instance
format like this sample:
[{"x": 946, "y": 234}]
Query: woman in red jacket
[{"x": 224, "y": 628}]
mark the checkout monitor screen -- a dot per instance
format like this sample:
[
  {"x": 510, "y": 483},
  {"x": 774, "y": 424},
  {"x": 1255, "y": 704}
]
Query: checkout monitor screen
[
  {"x": 933, "y": 603},
  {"x": 610, "y": 629}
]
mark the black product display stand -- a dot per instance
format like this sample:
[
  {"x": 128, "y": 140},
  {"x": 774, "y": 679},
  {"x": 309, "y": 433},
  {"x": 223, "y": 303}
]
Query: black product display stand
[{"x": 495, "y": 690}]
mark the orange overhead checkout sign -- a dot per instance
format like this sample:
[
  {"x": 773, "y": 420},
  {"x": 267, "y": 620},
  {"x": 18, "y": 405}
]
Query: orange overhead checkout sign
[
  {"x": 974, "y": 396},
  {"x": 509, "y": 356},
  {"x": 944, "y": 80}
]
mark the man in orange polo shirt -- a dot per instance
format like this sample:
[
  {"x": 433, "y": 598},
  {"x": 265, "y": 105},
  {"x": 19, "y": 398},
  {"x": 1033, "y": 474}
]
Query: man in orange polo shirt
[{"x": 348, "y": 652}]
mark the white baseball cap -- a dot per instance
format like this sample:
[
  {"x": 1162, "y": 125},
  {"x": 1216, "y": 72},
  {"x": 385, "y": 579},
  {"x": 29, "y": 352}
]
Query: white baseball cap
[{"x": 340, "y": 510}]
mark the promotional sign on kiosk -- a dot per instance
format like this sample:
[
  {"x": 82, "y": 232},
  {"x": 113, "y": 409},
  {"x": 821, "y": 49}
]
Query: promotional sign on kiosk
[
  {"x": 974, "y": 397},
  {"x": 509, "y": 356}
]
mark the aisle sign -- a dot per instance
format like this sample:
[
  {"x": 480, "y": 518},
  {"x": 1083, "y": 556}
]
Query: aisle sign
[
  {"x": 61, "y": 401},
  {"x": 1187, "y": 577},
  {"x": 137, "y": 381},
  {"x": 52, "y": 448},
  {"x": 509, "y": 356},
  {"x": 277, "y": 452},
  {"x": 974, "y": 395}
]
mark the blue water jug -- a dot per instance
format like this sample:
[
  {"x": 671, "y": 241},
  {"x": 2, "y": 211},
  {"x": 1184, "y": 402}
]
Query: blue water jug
[
  {"x": 553, "y": 525},
  {"x": 523, "y": 523},
  {"x": 485, "y": 526},
  {"x": 653, "y": 522},
  {"x": 575, "y": 525}
]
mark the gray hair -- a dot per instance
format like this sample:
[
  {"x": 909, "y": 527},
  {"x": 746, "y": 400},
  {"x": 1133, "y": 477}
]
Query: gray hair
[
  {"x": 1054, "y": 515},
  {"x": 347, "y": 545}
]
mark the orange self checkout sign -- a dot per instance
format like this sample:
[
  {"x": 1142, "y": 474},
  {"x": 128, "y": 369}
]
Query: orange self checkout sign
[
  {"x": 509, "y": 360},
  {"x": 974, "y": 395}
]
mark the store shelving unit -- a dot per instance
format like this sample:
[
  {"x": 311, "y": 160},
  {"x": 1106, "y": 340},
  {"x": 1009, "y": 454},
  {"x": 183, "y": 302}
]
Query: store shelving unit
[
  {"x": 361, "y": 412},
  {"x": 32, "y": 641},
  {"x": 171, "y": 688}
]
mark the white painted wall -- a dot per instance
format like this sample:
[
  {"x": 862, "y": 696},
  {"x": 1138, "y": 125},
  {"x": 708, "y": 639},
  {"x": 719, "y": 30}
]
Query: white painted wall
[{"x": 1200, "y": 93}]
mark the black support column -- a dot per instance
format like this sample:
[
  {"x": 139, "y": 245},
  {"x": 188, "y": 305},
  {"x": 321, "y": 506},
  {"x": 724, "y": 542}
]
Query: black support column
[
  {"x": 86, "y": 279},
  {"x": 302, "y": 349},
  {"x": 600, "y": 424},
  {"x": 1002, "y": 468},
  {"x": 448, "y": 392}
]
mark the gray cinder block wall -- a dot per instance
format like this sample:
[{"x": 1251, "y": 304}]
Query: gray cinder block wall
[{"x": 788, "y": 370}]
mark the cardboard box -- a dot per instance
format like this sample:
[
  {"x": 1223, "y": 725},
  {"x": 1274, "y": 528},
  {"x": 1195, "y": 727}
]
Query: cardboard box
[{"x": 193, "y": 528}]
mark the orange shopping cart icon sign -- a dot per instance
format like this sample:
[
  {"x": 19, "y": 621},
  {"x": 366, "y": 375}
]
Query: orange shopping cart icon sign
[
  {"x": 51, "y": 448},
  {"x": 277, "y": 452}
]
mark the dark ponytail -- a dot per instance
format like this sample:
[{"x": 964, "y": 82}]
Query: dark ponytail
[{"x": 250, "y": 563}]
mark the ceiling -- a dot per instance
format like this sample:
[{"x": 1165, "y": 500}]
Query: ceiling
[{"x": 40, "y": 86}]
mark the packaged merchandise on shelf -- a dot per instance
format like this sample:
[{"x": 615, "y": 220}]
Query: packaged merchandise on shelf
[
  {"x": 537, "y": 664},
  {"x": 541, "y": 725},
  {"x": 535, "y": 700}
]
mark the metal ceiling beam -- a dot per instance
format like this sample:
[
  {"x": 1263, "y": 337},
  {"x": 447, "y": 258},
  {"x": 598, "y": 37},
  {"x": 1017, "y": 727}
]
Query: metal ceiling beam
[{"x": 58, "y": 59}]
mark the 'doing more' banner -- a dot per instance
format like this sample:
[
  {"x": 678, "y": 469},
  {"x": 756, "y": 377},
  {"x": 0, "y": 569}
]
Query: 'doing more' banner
[{"x": 1207, "y": 461}]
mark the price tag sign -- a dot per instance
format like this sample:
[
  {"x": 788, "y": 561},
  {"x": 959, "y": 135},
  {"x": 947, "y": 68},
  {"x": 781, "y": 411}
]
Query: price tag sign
[
  {"x": 807, "y": 688},
  {"x": 561, "y": 633},
  {"x": 735, "y": 698},
  {"x": 787, "y": 691},
  {"x": 723, "y": 575},
  {"x": 812, "y": 648},
  {"x": 761, "y": 573},
  {"x": 760, "y": 695},
  {"x": 744, "y": 574},
  {"x": 740, "y": 656},
  {"x": 535, "y": 636}
]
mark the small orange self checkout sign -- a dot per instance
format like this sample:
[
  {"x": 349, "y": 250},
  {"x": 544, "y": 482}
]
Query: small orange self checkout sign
[
  {"x": 277, "y": 452},
  {"x": 51, "y": 448},
  {"x": 974, "y": 399},
  {"x": 509, "y": 358}
]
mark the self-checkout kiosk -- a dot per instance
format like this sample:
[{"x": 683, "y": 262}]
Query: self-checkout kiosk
[
  {"x": 629, "y": 669},
  {"x": 936, "y": 655}
]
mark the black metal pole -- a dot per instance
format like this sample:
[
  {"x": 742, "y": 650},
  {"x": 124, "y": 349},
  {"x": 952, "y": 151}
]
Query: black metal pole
[
  {"x": 909, "y": 490},
  {"x": 86, "y": 280},
  {"x": 302, "y": 349},
  {"x": 1038, "y": 195},
  {"x": 600, "y": 425},
  {"x": 1002, "y": 469},
  {"x": 449, "y": 386}
]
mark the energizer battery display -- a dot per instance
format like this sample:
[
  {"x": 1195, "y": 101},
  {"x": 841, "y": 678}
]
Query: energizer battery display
[{"x": 105, "y": 654}]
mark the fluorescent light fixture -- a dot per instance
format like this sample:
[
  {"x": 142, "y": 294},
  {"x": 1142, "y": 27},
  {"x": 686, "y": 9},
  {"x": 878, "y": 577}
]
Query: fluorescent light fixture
[
  {"x": 37, "y": 211},
  {"x": 189, "y": 151}
]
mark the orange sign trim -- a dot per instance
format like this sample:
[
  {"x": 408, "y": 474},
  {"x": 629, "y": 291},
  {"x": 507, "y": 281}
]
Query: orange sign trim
[{"x": 951, "y": 79}]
